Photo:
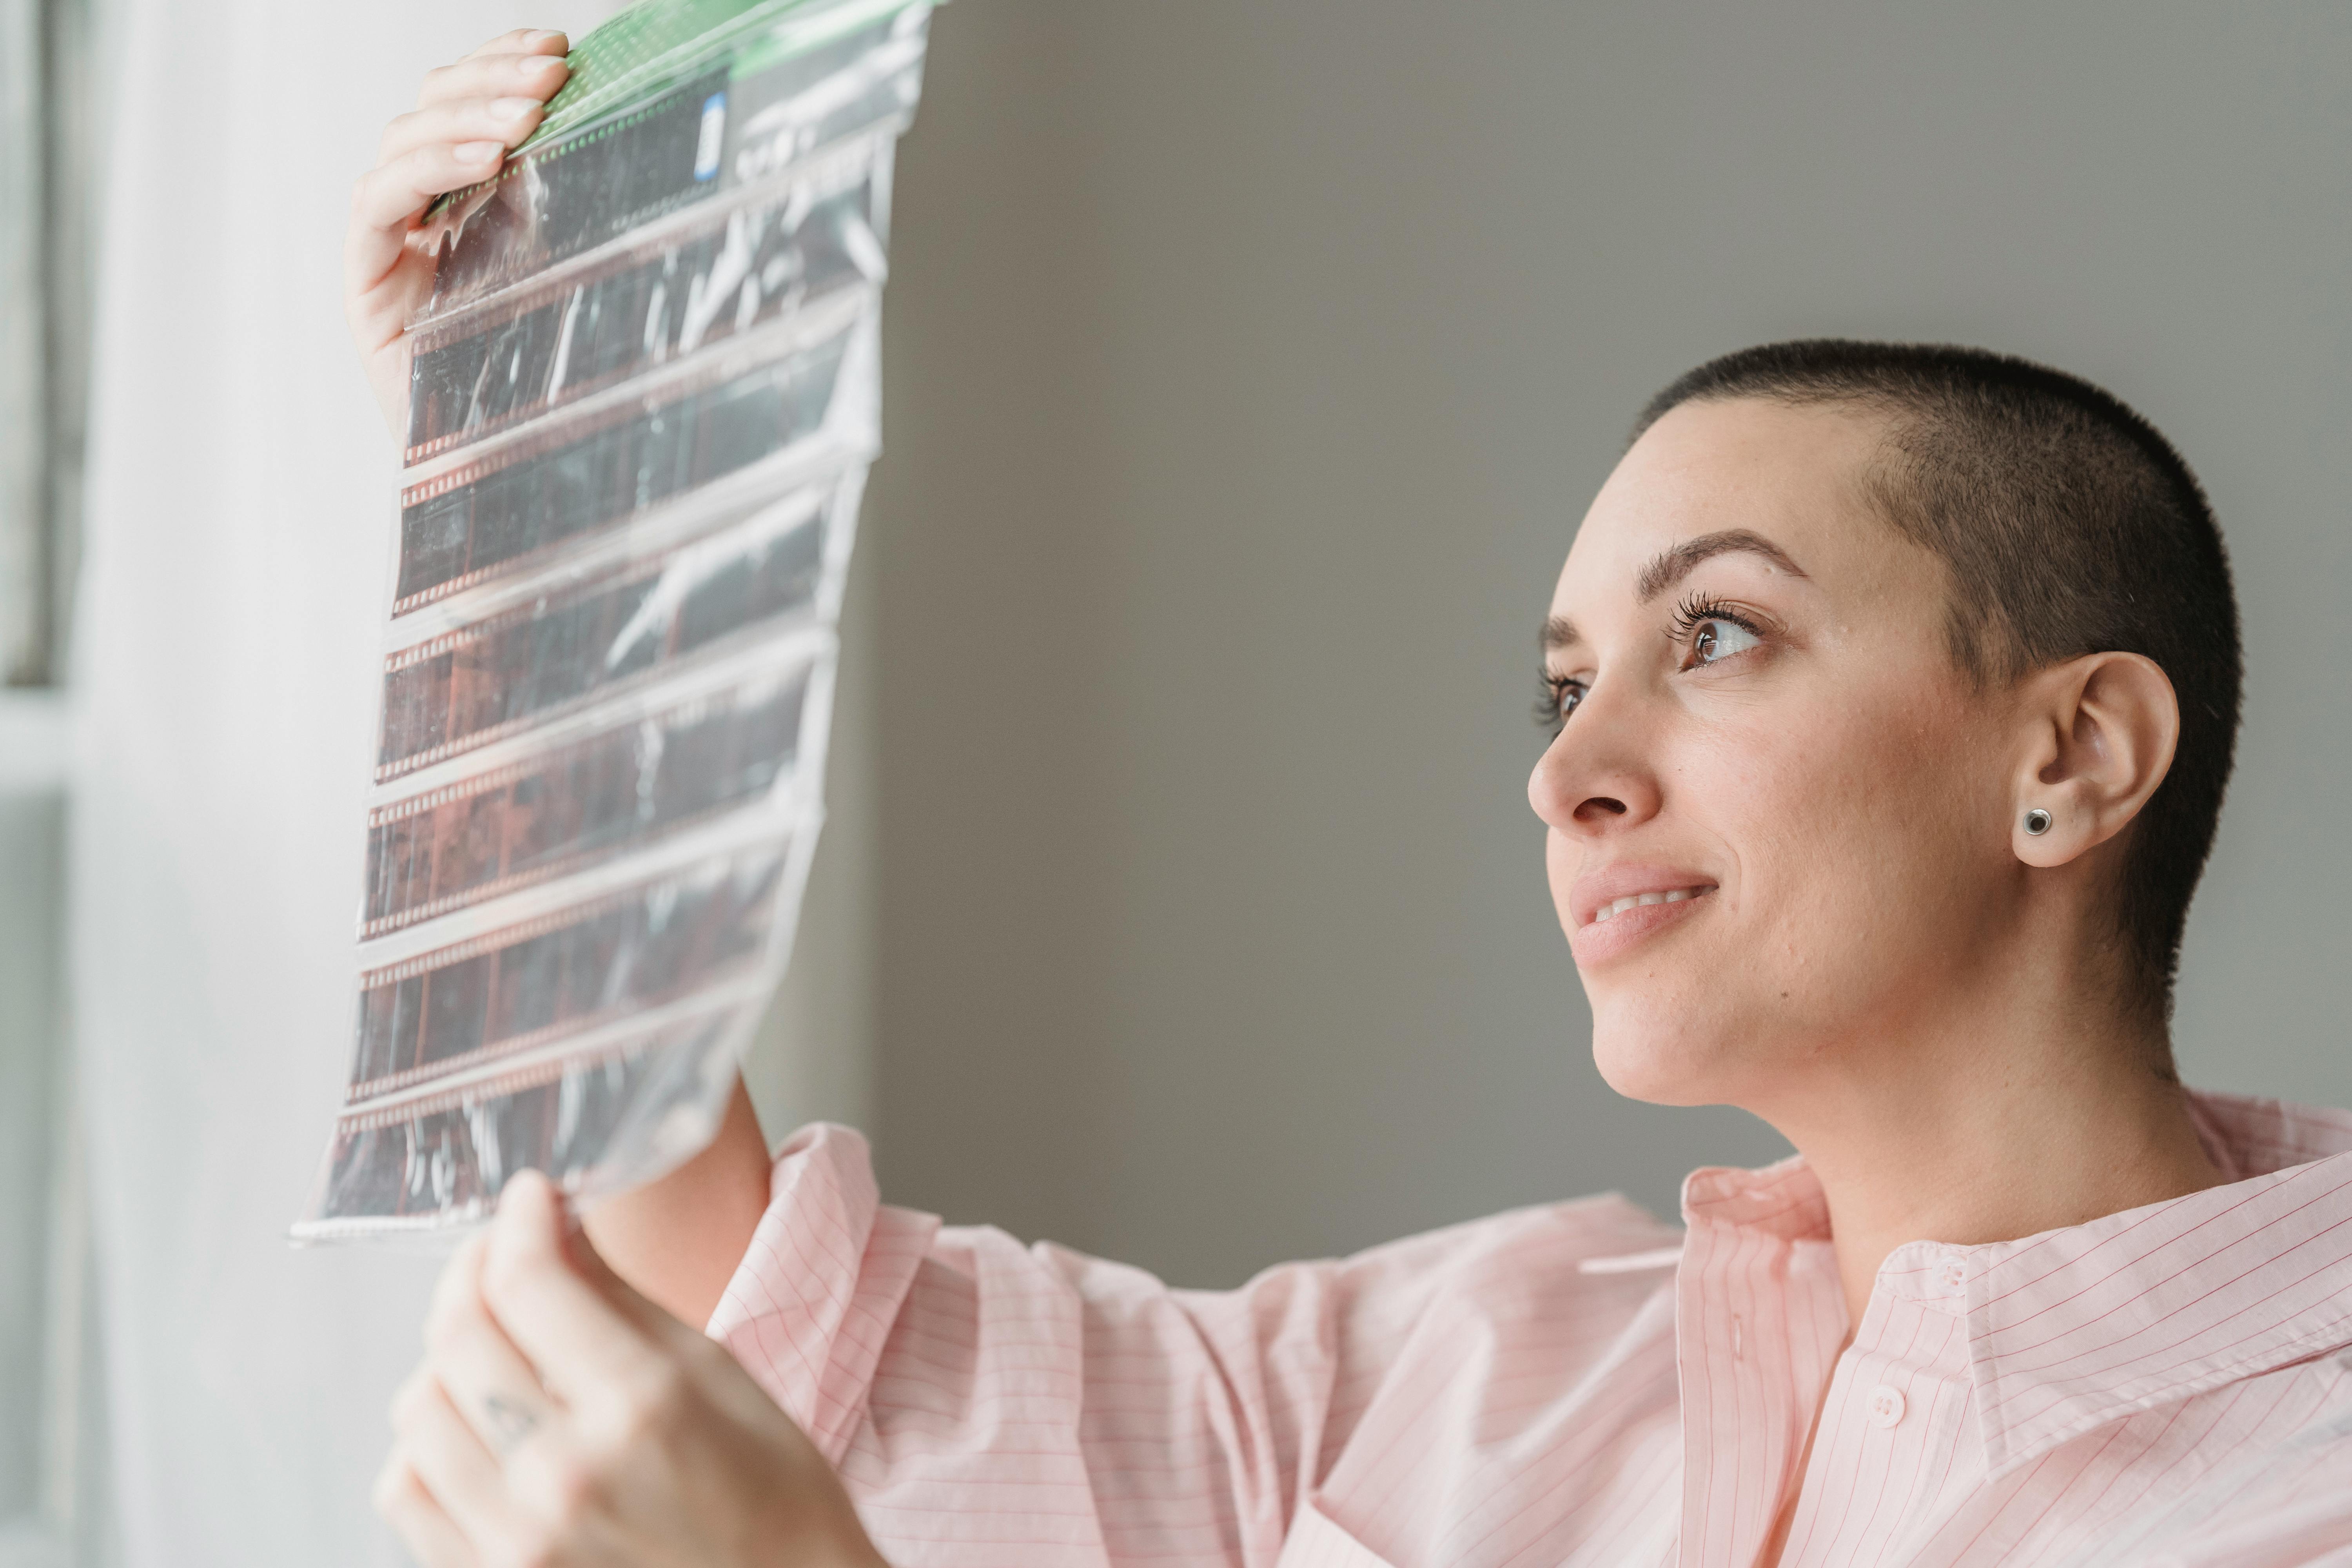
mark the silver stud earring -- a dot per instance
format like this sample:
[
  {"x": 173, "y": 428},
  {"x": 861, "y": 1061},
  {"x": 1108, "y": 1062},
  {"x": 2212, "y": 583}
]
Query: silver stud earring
[{"x": 2037, "y": 821}]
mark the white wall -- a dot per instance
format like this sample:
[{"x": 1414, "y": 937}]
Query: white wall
[{"x": 1250, "y": 366}]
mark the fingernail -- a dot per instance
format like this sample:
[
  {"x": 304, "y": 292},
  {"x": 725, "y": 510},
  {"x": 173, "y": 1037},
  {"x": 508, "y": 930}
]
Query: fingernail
[
  {"x": 543, "y": 36},
  {"x": 511, "y": 109},
  {"x": 536, "y": 1201},
  {"x": 531, "y": 1184},
  {"x": 479, "y": 151},
  {"x": 538, "y": 65},
  {"x": 524, "y": 1189}
]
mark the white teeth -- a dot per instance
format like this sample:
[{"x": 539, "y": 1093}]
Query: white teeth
[{"x": 1634, "y": 900}]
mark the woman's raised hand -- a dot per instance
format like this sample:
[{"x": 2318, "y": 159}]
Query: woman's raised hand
[
  {"x": 560, "y": 1418},
  {"x": 468, "y": 116}
]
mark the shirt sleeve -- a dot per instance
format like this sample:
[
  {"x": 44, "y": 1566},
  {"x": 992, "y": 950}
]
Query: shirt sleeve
[{"x": 989, "y": 1402}]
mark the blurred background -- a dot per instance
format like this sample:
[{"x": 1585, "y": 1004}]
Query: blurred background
[{"x": 1248, "y": 367}]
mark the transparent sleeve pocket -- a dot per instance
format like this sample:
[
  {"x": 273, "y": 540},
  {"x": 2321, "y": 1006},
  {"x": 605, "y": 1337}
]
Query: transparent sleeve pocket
[
  {"x": 641, "y": 774},
  {"x": 639, "y": 621},
  {"x": 643, "y": 400}
]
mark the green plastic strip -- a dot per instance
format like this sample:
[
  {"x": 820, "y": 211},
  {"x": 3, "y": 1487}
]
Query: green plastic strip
[{"x": 656, "y": 40}]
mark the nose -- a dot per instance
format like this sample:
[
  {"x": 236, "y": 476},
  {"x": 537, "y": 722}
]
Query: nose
[{"x": 1593, "y": 778}]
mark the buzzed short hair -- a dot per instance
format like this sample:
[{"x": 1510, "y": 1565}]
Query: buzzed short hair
[{"x": 2070, "y": 527}]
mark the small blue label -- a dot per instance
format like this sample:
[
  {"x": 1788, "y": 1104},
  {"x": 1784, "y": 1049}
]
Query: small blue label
[{"x": 714, "y": 132}]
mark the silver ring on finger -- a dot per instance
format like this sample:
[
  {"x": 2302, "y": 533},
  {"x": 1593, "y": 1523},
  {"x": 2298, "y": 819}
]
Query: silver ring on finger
[{"x": 508, "y": 1422}]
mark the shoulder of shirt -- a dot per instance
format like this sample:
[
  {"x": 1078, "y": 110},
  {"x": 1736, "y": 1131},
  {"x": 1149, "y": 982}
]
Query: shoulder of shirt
[
  {"x": 1536, "y": 1239},
  {"x": 1566, "y": 1232},
  {"x": 1538, "y": 1248}
]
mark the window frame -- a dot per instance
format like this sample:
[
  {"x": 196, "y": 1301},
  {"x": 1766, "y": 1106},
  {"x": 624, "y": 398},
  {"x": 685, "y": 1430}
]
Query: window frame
[
  {"x": 55, "y": 1533},
  {"x": 52, "y": 149}
]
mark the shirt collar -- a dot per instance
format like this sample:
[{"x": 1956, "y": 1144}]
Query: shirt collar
[{"x": 2073, "y": 1328}]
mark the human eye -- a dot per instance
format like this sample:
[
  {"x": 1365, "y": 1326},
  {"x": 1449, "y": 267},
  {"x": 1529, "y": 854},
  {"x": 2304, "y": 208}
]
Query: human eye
[
  {"x": 1712, "y": 631},
  {"x": 1559, "y": 699}
]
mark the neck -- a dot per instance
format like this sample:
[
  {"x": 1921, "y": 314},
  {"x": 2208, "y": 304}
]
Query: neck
[{"x": 1951, "y": 1138}]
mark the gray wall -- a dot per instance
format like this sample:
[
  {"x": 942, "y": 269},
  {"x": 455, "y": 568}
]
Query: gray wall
[{"x": 1249, "y": 367}]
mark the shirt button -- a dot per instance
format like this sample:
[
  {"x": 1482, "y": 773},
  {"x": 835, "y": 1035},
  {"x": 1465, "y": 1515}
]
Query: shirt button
[
  {"x": 1884, "y": 1405},
  {"x": 1953, "y": 1276}
]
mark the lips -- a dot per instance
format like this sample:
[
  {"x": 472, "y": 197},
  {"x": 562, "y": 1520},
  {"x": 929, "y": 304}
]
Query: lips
[
  {"x": 1635, "y": 901},
  {"x": 1601, "y": 896},
  {"x": 1619, "y": 908}
]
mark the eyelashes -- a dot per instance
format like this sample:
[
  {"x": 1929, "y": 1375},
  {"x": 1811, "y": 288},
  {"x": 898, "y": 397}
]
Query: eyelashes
[
  {"x": 1696, "y": 607},
  {"x": 1557, "y": 700},
  {"x": 1559, "y": 695}
]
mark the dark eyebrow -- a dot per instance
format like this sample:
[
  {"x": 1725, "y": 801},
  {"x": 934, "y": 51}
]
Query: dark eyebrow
[
  {"x": 1559, "y": 632},
  {"x": 1671, "y": 566}
]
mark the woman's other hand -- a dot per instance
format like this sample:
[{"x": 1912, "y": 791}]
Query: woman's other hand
[
  {"x": 468, "y": 116},
  {"x": 559, "y": 1417}
]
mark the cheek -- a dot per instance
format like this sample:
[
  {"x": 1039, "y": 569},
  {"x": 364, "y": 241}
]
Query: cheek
[
  {"x": 1856, "y": 849},
  {"x": 1845, "y": 830}
]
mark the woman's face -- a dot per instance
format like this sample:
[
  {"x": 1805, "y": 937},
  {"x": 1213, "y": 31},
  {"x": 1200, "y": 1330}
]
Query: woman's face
[{"x": 1778, "y": 814}]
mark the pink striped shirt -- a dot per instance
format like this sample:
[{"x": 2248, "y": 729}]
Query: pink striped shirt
[{"x": 1581, "y": 1383}]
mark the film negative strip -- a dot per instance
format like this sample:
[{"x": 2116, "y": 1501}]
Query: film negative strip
[
  {"x": 710, "y": 923},
  {"x": 433, "y": 1160},
  {"x": 556, "y": 652},
  {"x": 572, "y": 480},
  {"x": 718, "y": 125},
  {"x": 731, "y": 271},
  {"x": 646, "y": 774},
  {"x": 642, "y": 402}
]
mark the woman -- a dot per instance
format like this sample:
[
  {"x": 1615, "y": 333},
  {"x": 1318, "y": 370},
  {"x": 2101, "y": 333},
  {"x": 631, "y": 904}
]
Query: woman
[{"x": 1895, "y": 692}]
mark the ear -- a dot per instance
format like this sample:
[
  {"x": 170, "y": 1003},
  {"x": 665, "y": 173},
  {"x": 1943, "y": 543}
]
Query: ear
[{"x": 2100, "y": 732}]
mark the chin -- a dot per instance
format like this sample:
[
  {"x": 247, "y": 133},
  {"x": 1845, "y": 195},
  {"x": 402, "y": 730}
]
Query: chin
[{"x": 1664, "y": 1056}]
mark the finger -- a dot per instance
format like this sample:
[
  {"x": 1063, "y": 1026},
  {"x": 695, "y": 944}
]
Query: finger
[
  {"x": 495, "y": 76},
  {"x": 526, "y": 41},
  {"x": 392, "y": 196},
  {"x": 431, "y": 1536},
  {"x": 589, "y": 1352},
  {"x": 493, "y": 1387},
  {"x": 522, "y": 41},
  {"x": 507, "y": 120},
  {"x": 461, "y": 1472}
]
